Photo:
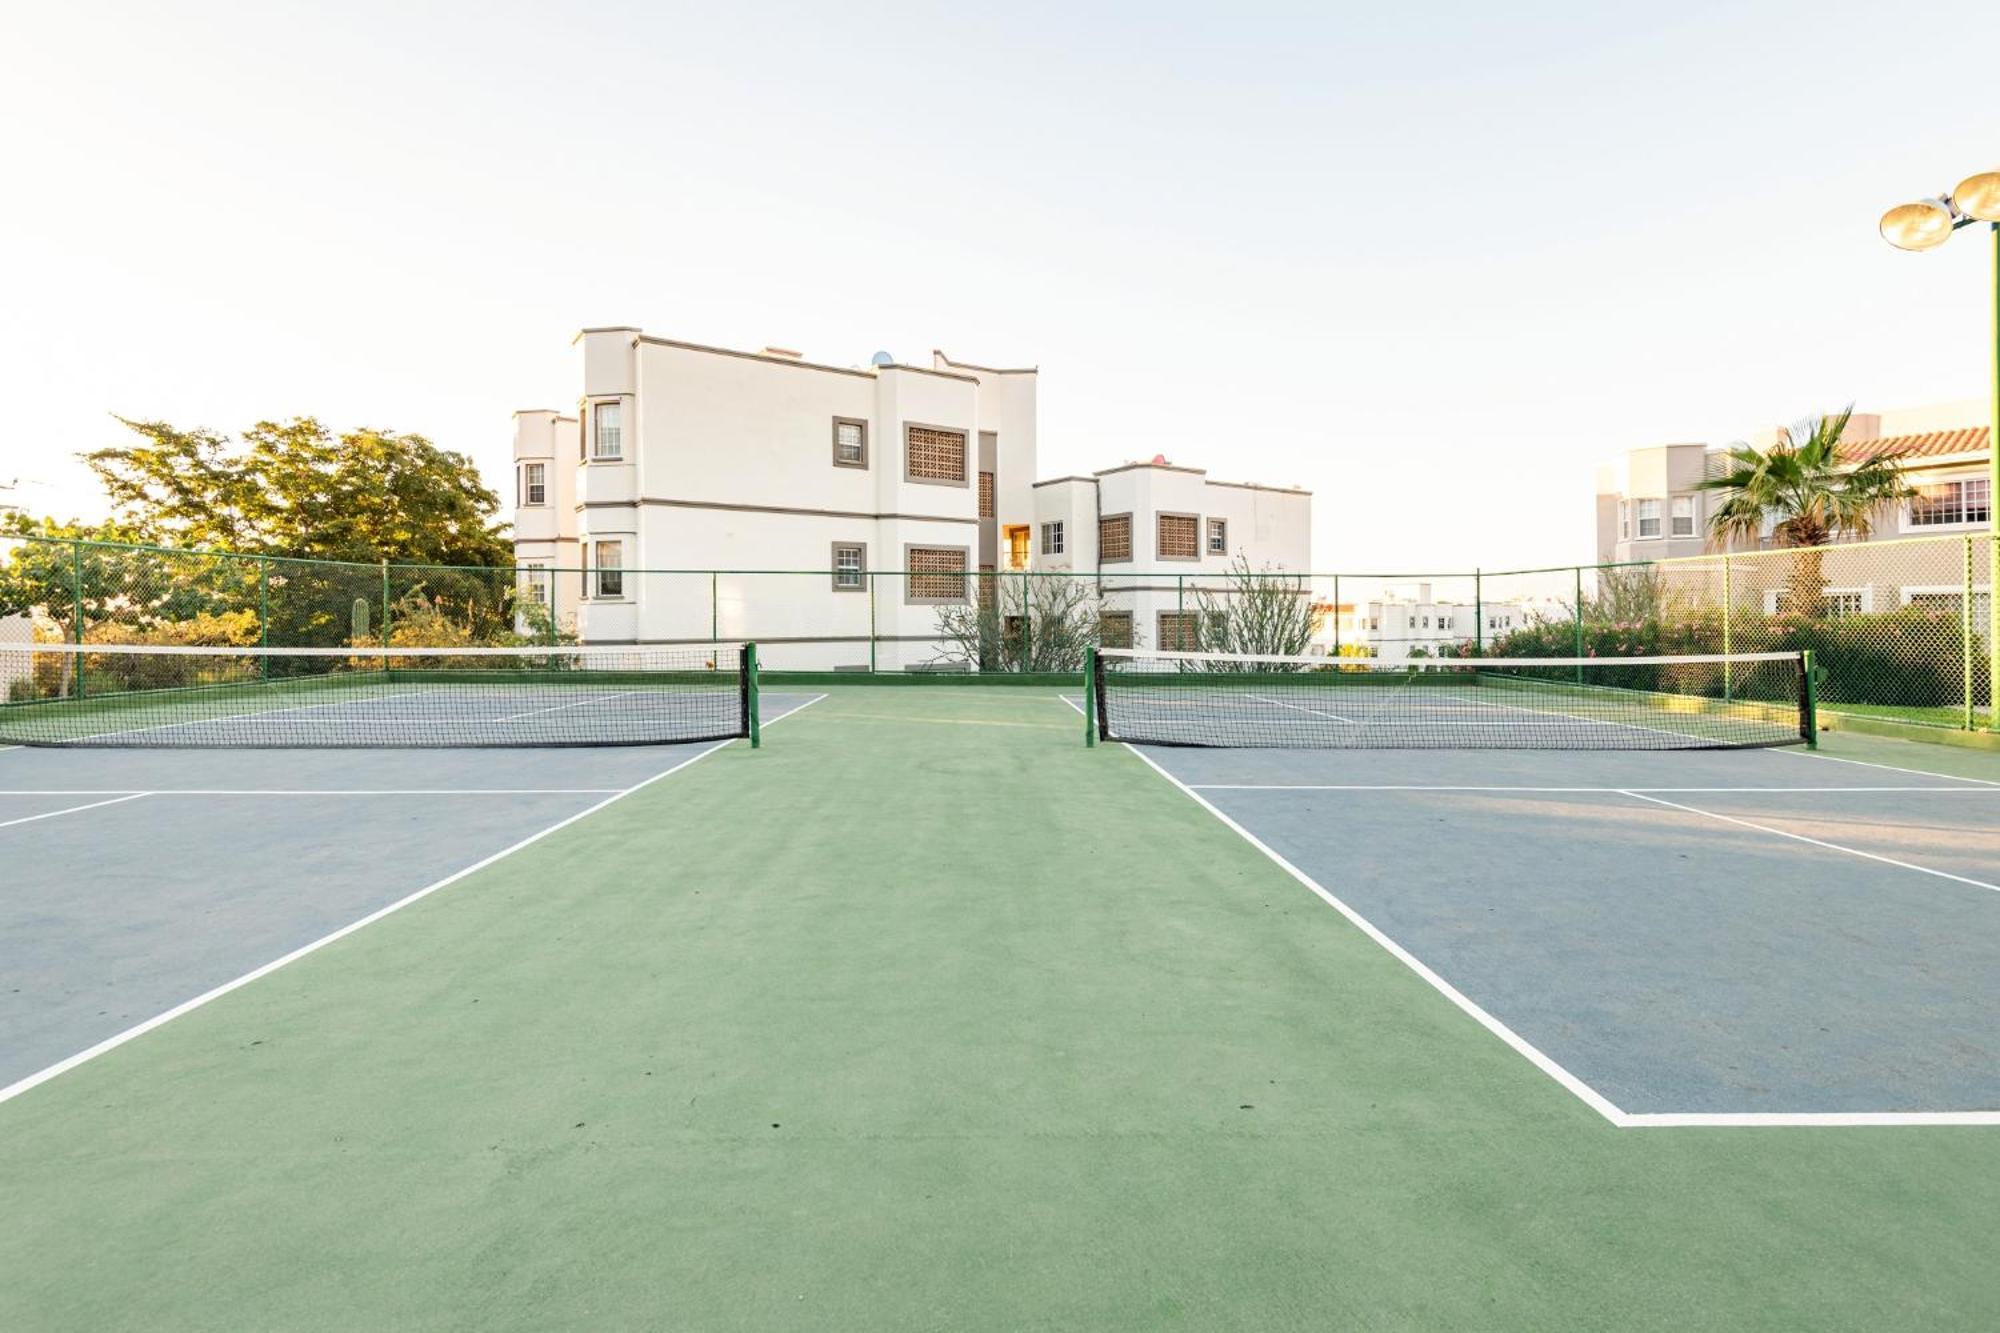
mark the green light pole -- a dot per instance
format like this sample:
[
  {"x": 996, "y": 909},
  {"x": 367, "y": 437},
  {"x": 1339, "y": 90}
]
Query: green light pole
[{"x": 1925, "y": 225}]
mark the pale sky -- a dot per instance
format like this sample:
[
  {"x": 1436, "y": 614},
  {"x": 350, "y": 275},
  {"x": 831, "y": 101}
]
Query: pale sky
[{"x": 1433, "y": 262}]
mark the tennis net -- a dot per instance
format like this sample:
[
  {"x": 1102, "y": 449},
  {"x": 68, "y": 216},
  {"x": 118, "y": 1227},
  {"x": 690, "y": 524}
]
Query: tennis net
[
  {"x": 1637, "y": 703},
  {"x": 188, "y": 697}
]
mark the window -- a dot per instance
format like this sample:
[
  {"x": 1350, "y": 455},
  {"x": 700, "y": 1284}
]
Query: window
[
  {"x": 534, "y": 484},
  {"x": 535, "y": 583},
  {"x": 1218, "y": 536},
  {"x": 935, "y": 455},
  {"x": 850, "y": 565},
  {"x": 1624, "y": 520},
  {"x": 611, "y": 569},
  {"x": 986, "y": 495},
  {"x": 1649, "y": 518},
  {"x": 1427, "y": 622},
  {"x": 1684, "y": 516},
  {"x": 1052, "y": 538},
  {"x": 1114, "y": 629},
  {"x": 937, "y": 573},
  {"x": 1180, "y": 631},
  {"x": 1114, "y": 538},
  {"x": 1177, "y": 539},
  {"x": 607, "y": 442},
  {"x": 1013, "y": 627},
  {"x": 1846, "y": 603},
  {"x": 1950, "y": 503},
  {"x": 1017, "y": 547},
  {"x": 850, "y": 442}
]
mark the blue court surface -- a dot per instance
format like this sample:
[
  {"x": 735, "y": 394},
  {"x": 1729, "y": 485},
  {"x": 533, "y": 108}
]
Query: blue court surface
[
  {"x": 1714, "y": 937},
  {"x": 138, "y": 881}
]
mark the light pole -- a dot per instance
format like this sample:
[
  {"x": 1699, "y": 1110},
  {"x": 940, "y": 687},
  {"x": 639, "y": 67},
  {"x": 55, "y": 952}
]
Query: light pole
[{"x": 1925, "y": 225}]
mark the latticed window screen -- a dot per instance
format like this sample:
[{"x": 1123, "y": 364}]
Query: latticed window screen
[
  {"x": 989, "y": 588},
  {"x": 1177, "y": 537},
  {"x": 1114, "y": 538},
  {"x": 937, "y": 573},
  {"x": 937, "y": 455},
  {"x": 986, "y": 495},
  {"x": 1114, "y": 629},
  {"x": 1180, "y": 630}
]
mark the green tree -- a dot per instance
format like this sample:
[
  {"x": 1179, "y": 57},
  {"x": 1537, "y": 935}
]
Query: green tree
[
  {"x": 1810, "y": 493},
  {"x": 296, "y": 488},
  {"x": 1256, "y": 611}
]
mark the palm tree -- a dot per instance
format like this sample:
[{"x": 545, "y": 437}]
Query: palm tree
[{"x": 1814, "y": 495}]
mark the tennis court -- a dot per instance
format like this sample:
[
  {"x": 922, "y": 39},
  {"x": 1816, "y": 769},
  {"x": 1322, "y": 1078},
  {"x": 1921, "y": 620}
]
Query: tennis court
[{"x": 926, "y": 1015}]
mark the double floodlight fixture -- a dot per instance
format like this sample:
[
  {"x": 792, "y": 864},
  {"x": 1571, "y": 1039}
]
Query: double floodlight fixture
[{"x": 1929, "y": 223}]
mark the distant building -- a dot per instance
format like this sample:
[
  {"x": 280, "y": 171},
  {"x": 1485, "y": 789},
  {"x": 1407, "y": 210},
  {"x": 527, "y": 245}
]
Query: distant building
[
  {"x": 683, "y": 457},
  {"x": 1649, "y": 506},
  {"x": 1410, "y": 620}
]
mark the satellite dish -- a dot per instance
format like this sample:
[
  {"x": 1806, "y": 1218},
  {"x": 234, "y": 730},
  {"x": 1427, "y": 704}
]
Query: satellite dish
[{"x": 881, "y": 359}]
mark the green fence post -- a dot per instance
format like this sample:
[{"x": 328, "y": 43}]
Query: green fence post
[
  {"x": 752, "y": 707},
  {"x": 1027, "y": 627},
  {"x": 1090, "y": 669},
  {"x": 1728, "y": 621},
  {"x": 1579, "y": 624},
  {"x": 714, "y": 608},
  {"x": 871, "y": 623},
  {"x": 1478, "y": 614},
  {"x": 1336, "y": 615},
  {"x": 264, "y": 614},
  {"x": 1965, "y": 631},
  {"x": 385, "y": 604},
  {"x": 1810, "y": 721},
  {"x": 76, "y": 606},
  {"x": 1180, "y": 613}
]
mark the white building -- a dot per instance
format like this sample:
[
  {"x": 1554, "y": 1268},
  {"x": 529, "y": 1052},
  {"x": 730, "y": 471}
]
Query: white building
[
  {"x": 1401, "y": 620},
  {"x": 1649, "y": 506},
  {"x": 684, "y": 460}
]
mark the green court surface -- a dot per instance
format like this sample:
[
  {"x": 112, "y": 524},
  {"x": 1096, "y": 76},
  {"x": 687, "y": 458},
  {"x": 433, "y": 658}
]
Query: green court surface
[{"x": 926, "y": 1016}]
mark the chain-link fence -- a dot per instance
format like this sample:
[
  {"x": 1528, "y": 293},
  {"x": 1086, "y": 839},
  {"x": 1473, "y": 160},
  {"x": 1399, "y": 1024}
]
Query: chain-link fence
[{"x": 1898, "y": 628}]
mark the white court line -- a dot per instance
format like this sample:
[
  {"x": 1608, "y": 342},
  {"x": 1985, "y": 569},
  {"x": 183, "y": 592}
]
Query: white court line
[
  {"x": 335, "y": 791},
  {"x": 74, "y": 809},
  {"x": 1316, "y": 712},
  {"x": 1355, "y": 786},
  {"x": 1816, "y": 842},
  {"x": 112, "y": 1043},
  {"x": 1575, "y": 1086},
  {"x": 575, "y": 703},
  {"x": 1890, "y": 768}
]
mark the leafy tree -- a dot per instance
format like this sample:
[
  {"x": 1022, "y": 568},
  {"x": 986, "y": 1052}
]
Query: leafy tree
[
  {"x": 295, "y": 488},
  {"x": 1257, "y": 611},
  {"x": 1813, "y": 495},
  {"x": 1031, "y": 622}
]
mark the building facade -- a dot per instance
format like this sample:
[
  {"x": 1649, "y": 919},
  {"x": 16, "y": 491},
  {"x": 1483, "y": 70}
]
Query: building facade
[
  {"x": 702, "y": 494},
  {"x": 1649, "y": 506}
]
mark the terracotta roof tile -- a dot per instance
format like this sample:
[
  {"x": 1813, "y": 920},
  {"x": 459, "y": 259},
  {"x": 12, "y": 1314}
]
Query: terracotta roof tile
[{"x": 1929, "y": 444}]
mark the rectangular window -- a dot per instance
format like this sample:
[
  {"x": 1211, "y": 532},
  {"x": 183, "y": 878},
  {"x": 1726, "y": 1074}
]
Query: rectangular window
[
  {"x": 1684, "y": 516},
  {"x": 1624, "y": 521},
  {"x": 1017, "y": 547},
  {"x": 1114, "y": 629},
  {"x": 1177, "y": 539},
  {"x": 986, "y": 495},
  {"x": 1052, "y": 538},
  {"x": 534, "y": 483},
  {"x": 535, "y": 583},
  {"x": 937, "y": 573},
  {"x": 1951, "y": 503},
  {"x": 850, "y": 566},
  {"x": 1218, "y": 536},
  {"x": 1114, "y": 538},
  {"x": 1649, "y": 518},
  {"x": 611, "y": 569},
  {"x": 935, "y": 455},
  {"x": 850, "y": 442},
  {"x": 607, "y": 441},
  {"x": 1180, "y": 631}
]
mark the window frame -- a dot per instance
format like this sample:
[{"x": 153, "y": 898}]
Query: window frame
[
  {"x": 1216, "y": 529},
  {"x": 535, "y": 577},
  {"x": 859, "y": 423},
  {"x": 1624, "y": 520},
  {"x": 595, "y": 585},
  {"x": 1964, "y": 506},
  {"x": 1674, "y": 503},
  {"x": 1124, "y": 559},
  {"x": 911, "y": 575},
  {"x": 598, "y": 454},
  {"x": 965, "y": 464},
  {"x": 860, "y": 583},
  {"x": 1160, "y": 516},
  {"x": 1639, "y": 519},
  {"x": 1059, "y": 546}
]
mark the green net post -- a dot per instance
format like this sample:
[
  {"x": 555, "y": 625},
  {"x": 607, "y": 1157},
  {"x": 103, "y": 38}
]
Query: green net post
[
  {"x": 264, "y": 615},
  {"x": 1965, "y": 632},
  {"x": 385, "y": 603},
  {"x": 1809, "y": 700},
  {"x": 1090, "y": 696},
  {"x": 76, "y": 606},
  {"x": 1336, "y": 615},
  {"x": 1579, "y": 624},
  {"x": 752, "y": 705}
]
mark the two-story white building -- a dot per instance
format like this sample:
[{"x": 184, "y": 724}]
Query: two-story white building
[{"x": 703, "y": 494}]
